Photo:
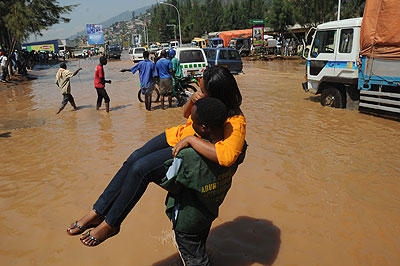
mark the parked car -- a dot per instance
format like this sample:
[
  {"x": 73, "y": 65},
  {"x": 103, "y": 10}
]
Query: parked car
[
  {"x": 226, "y": 57},
  {"x": 165, "y": 46},
  {"x": 193, "y": 60},
  {"x": 242, "y": 45},
  {"x": 271, "y": 45},
  {"x": 114, "y": 52},
  {"x": 79, "y": 53},
  {"x": 136, "y": 54},
  {"x": 216, "y": 42},
  {"x": 174, "y": 44},
  {"x": 154, "y": 48},
  {"x": 199, "y": 42}
]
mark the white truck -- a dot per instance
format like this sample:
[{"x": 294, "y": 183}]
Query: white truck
[{"x": 355, "y": 64}]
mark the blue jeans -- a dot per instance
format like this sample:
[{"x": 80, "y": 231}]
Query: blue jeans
[
  {"x": 3, "y": 73},
  {"x": 143, "y": 166}
]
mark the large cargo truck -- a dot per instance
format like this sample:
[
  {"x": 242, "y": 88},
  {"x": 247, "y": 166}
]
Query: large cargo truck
[{"x": 355, "y": 63}]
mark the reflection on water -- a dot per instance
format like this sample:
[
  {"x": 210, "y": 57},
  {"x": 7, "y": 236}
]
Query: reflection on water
[
  {"x": 319, "y": 186},
  {"x": 19, "y": 123}
]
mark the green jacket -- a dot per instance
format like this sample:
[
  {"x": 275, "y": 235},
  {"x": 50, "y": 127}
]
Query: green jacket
[
  {"x": 197, "y": 190},
  {"x": 176, "y": 67}
]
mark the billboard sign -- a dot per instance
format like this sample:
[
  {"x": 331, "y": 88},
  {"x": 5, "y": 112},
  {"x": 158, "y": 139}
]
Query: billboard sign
[
  {"x": 258, "y": 36},
  {"x": 95, "y": 34},
  {"x": 44, "y": 47},
  {"x": 49, "y": 46}
]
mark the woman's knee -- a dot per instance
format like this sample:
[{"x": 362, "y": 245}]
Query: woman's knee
[{"x": 138, "y": 171}]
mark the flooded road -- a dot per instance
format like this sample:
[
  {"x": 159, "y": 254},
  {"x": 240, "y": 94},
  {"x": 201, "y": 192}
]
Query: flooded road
[{"x": 319, "y": 186}]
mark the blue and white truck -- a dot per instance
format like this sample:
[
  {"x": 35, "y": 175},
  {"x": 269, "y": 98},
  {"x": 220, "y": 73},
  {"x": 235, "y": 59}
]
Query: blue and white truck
[{"x": 355, "y": 64}]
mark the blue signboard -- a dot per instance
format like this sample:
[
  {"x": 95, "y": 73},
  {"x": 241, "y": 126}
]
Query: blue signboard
[{"x": 95, "y": 33}]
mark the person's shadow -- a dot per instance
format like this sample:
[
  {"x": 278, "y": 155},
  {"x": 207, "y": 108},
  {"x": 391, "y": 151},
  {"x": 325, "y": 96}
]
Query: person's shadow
[
  {"x": 114, "y": 108},
  {"x": 88, "y": 106},
  {"x": 241, "y": 242},
  {"x": 5, "y": 135}
]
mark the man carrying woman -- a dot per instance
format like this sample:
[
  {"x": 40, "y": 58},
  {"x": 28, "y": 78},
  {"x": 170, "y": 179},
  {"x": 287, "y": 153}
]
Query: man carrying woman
[{"x": 146, "y": 164}]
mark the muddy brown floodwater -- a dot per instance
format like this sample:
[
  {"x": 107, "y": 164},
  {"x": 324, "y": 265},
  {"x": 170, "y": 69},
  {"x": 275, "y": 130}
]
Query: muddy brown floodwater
[{"x": 319, "y": 186}]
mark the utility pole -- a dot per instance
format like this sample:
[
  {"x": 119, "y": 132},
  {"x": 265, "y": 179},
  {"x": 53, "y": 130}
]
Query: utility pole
[
  {"x": 145, "y": 34},
  {"x": 179, "y": 21},
  {"x": 338, "y": 11}
]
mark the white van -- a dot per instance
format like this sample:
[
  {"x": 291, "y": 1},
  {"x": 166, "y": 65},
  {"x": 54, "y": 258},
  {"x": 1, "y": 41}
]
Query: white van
[
  {"x": 136, "y": 54},
  {"x": 174, "y": 44},
  {"x": 193, "y": 60},
  {"x": 165, "y": 46}
]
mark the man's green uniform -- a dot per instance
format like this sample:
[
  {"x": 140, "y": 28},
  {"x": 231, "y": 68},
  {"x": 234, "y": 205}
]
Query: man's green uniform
[
  {"x": 196, "y": 190},
  {"x": 176, "y": 67}
]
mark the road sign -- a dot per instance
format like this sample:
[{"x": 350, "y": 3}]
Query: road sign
[{"x": 257, "y": 21}]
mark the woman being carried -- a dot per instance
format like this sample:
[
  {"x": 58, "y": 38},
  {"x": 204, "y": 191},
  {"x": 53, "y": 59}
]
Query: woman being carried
[{"x": 146, "y": 164}]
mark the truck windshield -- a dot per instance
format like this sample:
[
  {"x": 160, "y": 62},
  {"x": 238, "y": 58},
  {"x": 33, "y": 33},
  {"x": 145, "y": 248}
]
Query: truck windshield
[{"x": 324, "y": 42}]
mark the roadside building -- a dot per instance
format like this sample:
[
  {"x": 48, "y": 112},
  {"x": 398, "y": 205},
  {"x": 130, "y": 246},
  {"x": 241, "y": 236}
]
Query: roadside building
[{"x": 50, "y": 45}]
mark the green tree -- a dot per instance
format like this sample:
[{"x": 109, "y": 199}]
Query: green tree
[
  {"x": 281, "y": 15},
  {"x": 214, "y": 14},
  {"x": 20, "y": 19},
  {"x": 198, "y": 23},
  {"x": 314, "y": 12},
  {"x": 231, "y": 18},
  {"x": 259, "y": 10},
  {"x": 352, "y": 8}
]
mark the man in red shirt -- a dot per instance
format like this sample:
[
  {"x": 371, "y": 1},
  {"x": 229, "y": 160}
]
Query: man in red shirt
[{"x": 100, "y": 83}]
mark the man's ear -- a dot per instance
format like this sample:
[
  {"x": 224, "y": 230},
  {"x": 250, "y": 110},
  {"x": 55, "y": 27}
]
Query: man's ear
[{"x": 205, "y": 129}]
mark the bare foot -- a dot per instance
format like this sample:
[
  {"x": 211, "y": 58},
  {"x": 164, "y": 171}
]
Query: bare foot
[
  {"x": 90, "y": 220},
  {"x": 99, "y": 234}
]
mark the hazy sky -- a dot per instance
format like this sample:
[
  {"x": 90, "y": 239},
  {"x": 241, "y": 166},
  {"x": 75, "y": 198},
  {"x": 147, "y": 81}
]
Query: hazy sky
[{"x": 89, "y": 12}]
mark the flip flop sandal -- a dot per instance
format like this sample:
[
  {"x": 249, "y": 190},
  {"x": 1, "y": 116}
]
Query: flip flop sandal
[
  {"x": 80, "y": 227},
  {"x": 96, "y": 241}
]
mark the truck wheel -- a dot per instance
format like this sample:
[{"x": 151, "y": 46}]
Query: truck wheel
[{"x": 333, "y": 97}]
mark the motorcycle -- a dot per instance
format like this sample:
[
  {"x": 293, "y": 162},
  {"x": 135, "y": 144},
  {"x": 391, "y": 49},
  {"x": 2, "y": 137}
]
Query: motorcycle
[{"x": 184, "y": 88}]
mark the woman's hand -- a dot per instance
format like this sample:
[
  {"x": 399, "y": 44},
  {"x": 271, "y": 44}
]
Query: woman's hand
[
  {"x": 196, "y": 96},
  {"x": 181, "y": 144},
  {"x": 205, "y": 148},
  {"x": 187, "y": 108}
]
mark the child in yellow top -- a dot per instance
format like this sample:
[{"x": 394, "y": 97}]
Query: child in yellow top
[{"x": 146, "y": 164}]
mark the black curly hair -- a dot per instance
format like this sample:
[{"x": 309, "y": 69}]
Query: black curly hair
[{"x": 211, "y": 112}]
